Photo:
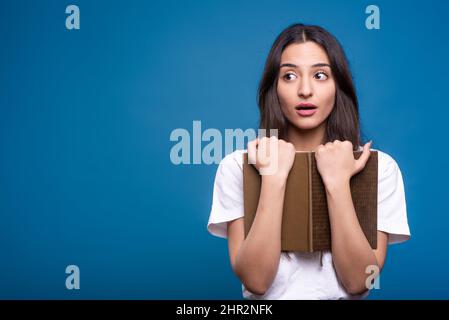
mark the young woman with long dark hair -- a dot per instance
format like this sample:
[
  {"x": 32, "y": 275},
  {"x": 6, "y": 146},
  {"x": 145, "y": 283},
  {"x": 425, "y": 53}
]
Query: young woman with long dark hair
[{"x": 307, "y": 94}]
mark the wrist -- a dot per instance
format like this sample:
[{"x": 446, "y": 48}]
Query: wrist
[
  {"x": 337, "y": 186},
  {"x": 279, "y": 180}
]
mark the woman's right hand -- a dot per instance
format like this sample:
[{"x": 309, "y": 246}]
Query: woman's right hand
[{"x": 272, "y": 156}]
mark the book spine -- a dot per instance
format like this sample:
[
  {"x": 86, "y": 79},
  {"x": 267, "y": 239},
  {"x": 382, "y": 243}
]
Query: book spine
[{"x": 309, "y": 166}]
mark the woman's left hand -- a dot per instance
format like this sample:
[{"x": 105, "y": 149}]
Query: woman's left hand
[{"x": 336, "y": 163}]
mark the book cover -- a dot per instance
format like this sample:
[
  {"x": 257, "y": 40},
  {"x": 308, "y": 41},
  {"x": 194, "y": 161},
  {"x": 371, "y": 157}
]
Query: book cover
[{"x": 305, "y": 217}]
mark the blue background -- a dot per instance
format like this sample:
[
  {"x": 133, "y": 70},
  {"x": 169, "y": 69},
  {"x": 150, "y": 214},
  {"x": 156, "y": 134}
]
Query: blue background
[{"x": 86, "y": 115}]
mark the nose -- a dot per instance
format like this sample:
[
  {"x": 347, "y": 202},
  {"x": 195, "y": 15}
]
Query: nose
[{"x": 305, "y": 89}]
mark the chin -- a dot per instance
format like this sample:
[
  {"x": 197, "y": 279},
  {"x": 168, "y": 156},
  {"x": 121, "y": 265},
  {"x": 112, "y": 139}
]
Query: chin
[{"x": 305, "y": 124}]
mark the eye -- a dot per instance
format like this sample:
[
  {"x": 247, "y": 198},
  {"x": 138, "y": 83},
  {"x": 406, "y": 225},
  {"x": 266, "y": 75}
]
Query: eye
[
  {"x": 322, "y": 75},
  {"x": 289, "y": 76}
]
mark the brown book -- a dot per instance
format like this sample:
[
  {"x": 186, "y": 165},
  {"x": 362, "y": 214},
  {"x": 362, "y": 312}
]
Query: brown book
[{"x": 305, "y": 218}]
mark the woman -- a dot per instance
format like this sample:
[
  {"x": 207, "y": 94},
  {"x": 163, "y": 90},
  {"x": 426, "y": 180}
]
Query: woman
[{"x": 307, "y": 94}]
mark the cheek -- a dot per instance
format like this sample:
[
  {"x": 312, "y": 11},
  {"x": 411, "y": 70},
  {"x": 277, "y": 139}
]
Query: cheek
[
  {"x": 285, "y": 94},
  {"x": 328, "y": 96}
]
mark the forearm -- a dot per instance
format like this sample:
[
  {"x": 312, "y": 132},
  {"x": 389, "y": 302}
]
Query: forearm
[
  {"x": 258, "y": 258},
  {"x": 351, "y": 250}
]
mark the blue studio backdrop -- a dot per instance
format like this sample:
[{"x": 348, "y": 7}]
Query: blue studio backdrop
[{"x": 86, "y": 114}]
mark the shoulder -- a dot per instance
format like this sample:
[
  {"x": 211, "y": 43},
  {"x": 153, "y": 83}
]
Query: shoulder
[
  {"x": 233, "y": 161},
  {"x": 392, "y": 206},
  {"x": 387, "y": 165},
  {"x": 230, "y": 169}
]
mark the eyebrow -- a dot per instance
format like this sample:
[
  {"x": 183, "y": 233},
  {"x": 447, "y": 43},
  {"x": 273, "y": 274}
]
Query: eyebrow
[{"x": 291, "y": 65}]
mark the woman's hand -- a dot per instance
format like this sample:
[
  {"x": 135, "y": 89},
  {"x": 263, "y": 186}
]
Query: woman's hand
[
  {"x": 271, "y": 156},
  {"x": 336, "y": 163}
]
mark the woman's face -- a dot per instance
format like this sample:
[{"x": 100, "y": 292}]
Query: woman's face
[{"x": 305, "y": 77}]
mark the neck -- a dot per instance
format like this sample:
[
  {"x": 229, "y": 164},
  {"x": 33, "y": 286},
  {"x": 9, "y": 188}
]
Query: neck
[{"x": 306, "y": 140}]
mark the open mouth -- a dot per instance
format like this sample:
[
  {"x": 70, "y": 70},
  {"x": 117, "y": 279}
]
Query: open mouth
[{"x": 305, "y": 111}]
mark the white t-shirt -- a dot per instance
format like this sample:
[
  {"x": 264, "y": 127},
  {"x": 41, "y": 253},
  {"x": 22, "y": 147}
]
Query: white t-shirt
[{"x": 303, "y": 277}]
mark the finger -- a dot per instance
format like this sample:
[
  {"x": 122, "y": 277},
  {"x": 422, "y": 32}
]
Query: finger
[
  {"x": 319, "y": 149},
  {"x": 273, "y": 145},
  {"x": 252, "y": 145},
  {"x": 363, "y": 159},
  {"x": 262, "y": 152}
]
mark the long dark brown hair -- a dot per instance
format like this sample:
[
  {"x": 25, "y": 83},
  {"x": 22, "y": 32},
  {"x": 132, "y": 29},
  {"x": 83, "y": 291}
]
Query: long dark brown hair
[{"x": 343, "y": 122}]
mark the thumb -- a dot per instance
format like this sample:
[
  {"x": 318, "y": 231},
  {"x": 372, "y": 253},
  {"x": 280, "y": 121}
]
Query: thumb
[{"x": 363, "y": 159}]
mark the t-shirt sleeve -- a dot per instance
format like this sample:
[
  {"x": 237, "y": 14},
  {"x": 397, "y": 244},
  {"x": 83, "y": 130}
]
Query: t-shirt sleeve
[
  {"x": 227, "y": 200},
  {"x": 391, "y": 207}
]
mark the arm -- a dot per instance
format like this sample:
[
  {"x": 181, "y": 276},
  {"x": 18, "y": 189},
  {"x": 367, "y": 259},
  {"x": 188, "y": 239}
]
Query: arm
[
  {"x": 351, "y": 251},
  {"x": 255, "y": 259}
]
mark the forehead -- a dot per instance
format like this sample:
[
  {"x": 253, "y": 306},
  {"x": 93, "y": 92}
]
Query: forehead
[{"x": 306, "y": 53}]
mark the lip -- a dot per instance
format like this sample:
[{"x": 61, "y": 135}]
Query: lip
[{"x": 306, "y": 112}]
